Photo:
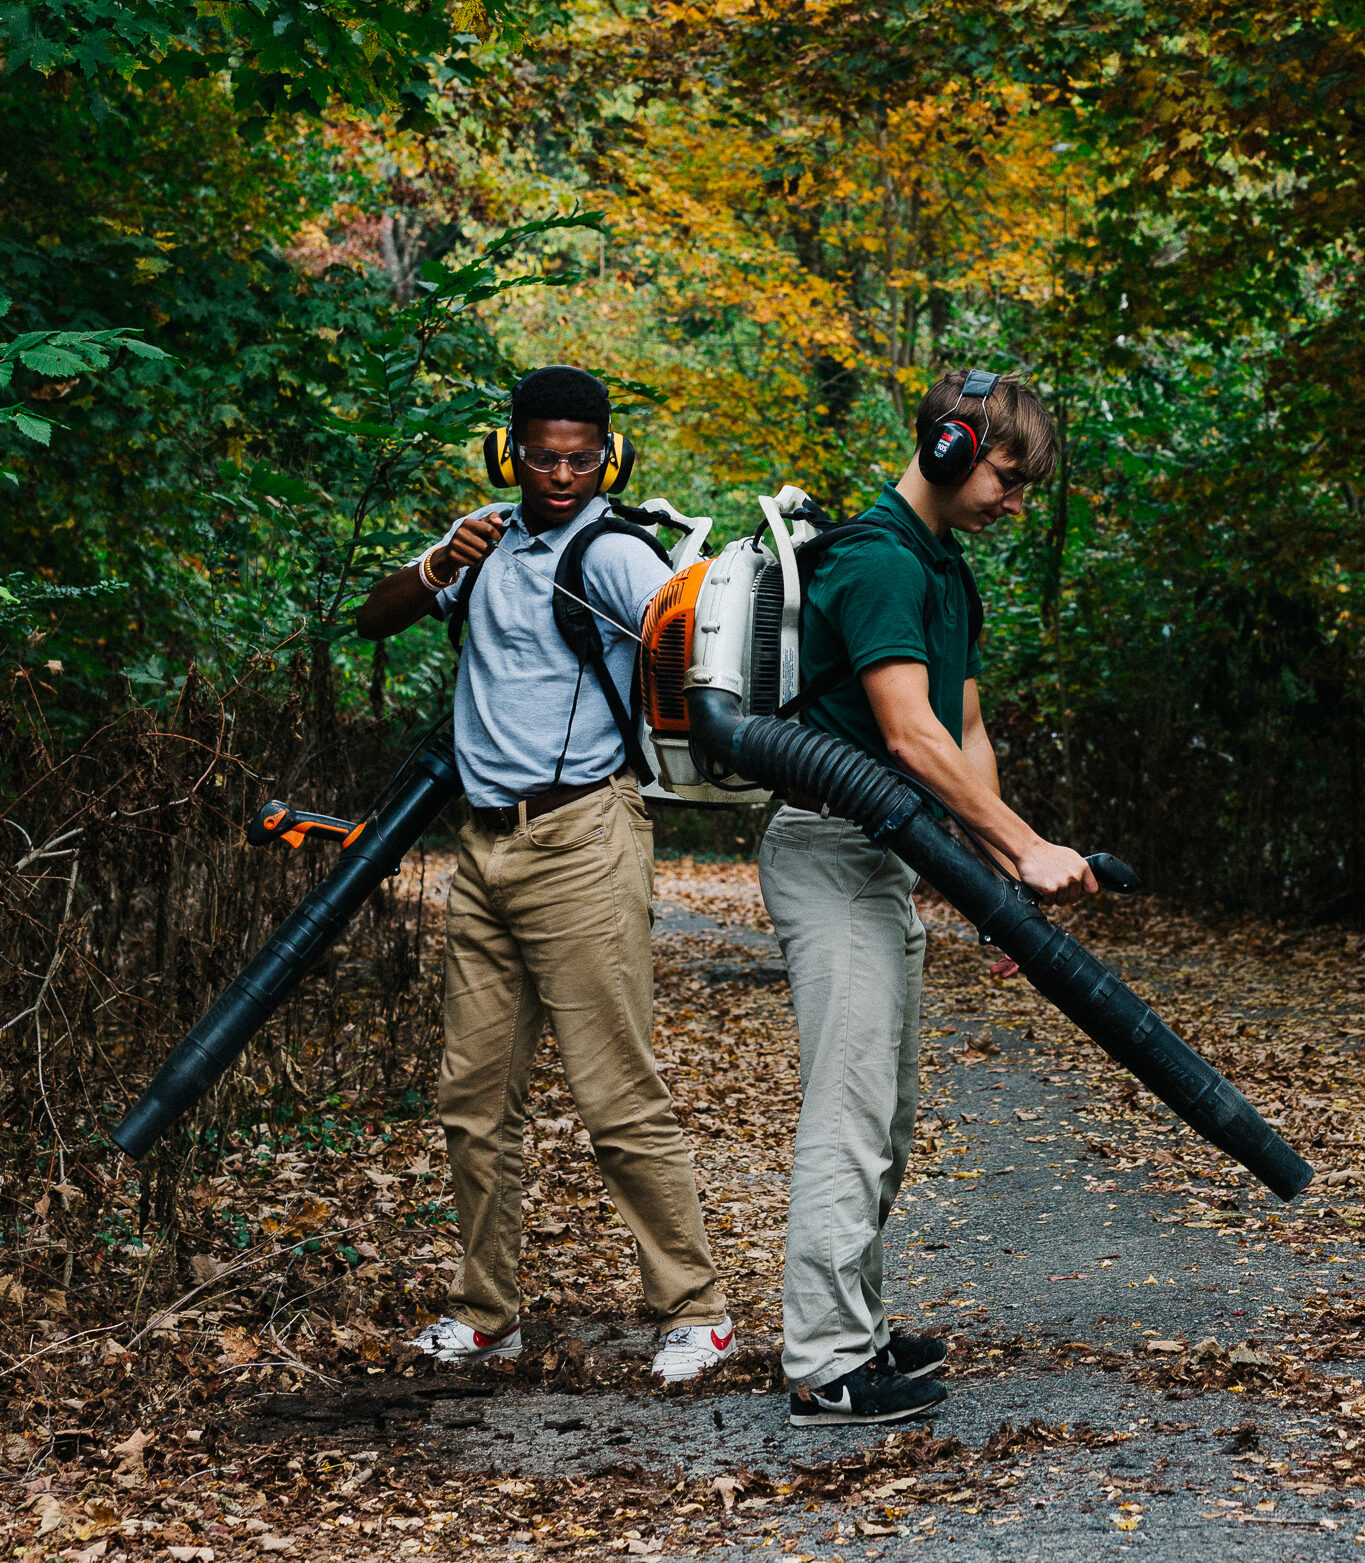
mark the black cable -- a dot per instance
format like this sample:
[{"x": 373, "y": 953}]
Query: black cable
[
  {"x": 448, "y": 720},
  {"x": 568, "y": 731}
]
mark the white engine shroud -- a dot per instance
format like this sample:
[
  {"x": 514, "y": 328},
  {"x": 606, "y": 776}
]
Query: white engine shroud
[{"x": 722, "y": 639}]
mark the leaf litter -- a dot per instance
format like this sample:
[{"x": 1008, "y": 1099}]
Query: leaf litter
[{"x": 302, "y": 1263}]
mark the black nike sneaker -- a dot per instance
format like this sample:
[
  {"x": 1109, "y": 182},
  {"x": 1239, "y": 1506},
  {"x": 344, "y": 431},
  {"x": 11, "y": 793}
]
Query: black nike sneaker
[
  {"x": 913, "y": 1356},
  {"x": 874, "y": 1392}
]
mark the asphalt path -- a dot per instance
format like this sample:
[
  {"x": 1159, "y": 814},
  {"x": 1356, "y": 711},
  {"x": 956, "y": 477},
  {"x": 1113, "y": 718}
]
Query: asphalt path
[{"x": 1032, "y": 1242}]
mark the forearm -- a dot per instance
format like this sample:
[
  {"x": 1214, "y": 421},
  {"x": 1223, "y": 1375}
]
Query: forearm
[
  {"x": 966, "y": 779},
  {"x": 396, "y": 602},
  {"x": 968, "y": 783},
  {"x": 980, "y": 755}
]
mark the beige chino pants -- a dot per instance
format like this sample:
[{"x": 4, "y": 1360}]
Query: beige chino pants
[{"x": 553, "y": 920}]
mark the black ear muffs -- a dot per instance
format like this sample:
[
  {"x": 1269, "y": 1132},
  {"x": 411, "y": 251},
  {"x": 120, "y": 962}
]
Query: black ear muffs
[
  {"x": 949, "y": 454},
  {"x": 497, "y": 458},
  {"x": 952, "y": 450},
  {"x": 617, "y": 468}
]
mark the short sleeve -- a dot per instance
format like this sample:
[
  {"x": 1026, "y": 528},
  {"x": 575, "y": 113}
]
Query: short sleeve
[
  {"x": 974, "y": 660},
  {"x": 876, "y": 600},
  {"x": 623, "y": 575},
  {"x": 444, "y": 601}
]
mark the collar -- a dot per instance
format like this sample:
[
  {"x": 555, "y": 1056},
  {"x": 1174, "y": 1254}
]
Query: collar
[
  {"x": 519, "y": 540},
  {"x": 897, "y": 510}
]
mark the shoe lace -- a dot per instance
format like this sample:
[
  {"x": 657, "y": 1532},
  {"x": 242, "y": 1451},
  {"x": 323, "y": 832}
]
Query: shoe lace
[{"x": 679, "y": 1337}]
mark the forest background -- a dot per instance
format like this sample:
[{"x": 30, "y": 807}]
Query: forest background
[
  {"x": 807, "y": 211},
  {"x": 269, "y": 272}
]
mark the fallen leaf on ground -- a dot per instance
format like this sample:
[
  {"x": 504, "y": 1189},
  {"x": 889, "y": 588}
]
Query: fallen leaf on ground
[
  {"x": 726, "y": 1486},
  {"x": 96, "y": 1549},
  {"x": 50, "y": 1513},
  {"x": 130, "y": 1453}
]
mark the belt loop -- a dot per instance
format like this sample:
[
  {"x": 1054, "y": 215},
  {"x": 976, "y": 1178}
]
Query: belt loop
[{"x": 521, "y": 813}]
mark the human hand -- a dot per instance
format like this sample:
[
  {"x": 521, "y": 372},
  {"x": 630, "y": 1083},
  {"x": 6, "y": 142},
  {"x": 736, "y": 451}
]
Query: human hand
[
  {"x": 1057, "y": 875},
  {"x": 473, "y": 541},
  {"x": 1005, "y": 968}
]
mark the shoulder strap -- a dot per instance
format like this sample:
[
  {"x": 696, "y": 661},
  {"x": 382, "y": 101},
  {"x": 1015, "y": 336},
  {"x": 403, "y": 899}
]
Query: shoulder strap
[
  {"x": 976, "y": 613},
  {"x": 808, "y": 556},
  {"x": 579, "y": 628},
  {"x": 458, "y": 616}
]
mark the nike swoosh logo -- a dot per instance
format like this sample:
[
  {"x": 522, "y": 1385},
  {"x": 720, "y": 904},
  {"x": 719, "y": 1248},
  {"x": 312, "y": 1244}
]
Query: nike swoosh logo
[
  {"x": 720, "y": 1344},
  {"x": 843, "y": 1403}
]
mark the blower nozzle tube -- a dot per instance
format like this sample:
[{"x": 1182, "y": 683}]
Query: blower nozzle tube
[
  {"x": 793, "y": 759},
  {"x": 277, "y": 968}
]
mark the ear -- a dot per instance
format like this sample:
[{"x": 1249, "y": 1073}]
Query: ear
[
  {"x": 497, "y": 458},
  {"x": 617, "y": 468}
]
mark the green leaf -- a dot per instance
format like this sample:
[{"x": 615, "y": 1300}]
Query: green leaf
[
  {"x": 265, "y": 479},
  {"x": 141, "y": 349},
  {"x": 59, "y": 363},
  {"x": 39, "y": 429}
]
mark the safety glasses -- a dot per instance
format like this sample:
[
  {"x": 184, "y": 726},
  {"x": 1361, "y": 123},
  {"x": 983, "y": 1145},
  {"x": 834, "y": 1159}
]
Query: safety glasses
[
  {"x": 540, "y": 458},
  {"x": 1010, "y": 480}
]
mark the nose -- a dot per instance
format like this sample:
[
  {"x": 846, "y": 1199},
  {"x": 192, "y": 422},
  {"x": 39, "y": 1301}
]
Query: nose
[{"x": 1012, "y": 503}]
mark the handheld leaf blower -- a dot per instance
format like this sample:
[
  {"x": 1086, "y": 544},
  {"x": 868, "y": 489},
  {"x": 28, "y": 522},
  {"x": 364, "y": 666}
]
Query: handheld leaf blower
[{"x": 720, "y": 657}]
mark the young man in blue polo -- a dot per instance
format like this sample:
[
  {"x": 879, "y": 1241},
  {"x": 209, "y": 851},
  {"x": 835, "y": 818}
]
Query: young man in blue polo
[
  {"x": 894, "y": 612},
  {"x": 549, "y": 911}
]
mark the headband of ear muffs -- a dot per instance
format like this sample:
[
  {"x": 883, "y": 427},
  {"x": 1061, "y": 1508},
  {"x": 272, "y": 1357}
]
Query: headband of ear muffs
[
  {"x": 616, "y": 469},
  {"x": 952, "y": 449}
]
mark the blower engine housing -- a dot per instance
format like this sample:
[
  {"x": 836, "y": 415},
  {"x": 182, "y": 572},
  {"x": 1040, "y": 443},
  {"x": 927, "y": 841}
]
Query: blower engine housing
[{"x": 727, "y": 623}]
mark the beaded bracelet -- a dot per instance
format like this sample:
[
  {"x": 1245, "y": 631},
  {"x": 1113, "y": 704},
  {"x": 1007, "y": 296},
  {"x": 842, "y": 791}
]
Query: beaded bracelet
[{"x": 431, "y": 582}]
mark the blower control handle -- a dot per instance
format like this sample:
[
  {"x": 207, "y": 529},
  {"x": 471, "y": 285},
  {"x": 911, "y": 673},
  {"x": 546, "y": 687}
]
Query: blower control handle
[
  {"x": 276, "y": 821},
  {"x": 1113, "y": 873}
]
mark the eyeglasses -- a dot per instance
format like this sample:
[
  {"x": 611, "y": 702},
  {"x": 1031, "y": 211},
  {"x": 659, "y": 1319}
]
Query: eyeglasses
[
  {"x": 540, "y": 458},
  {"x": 1011, "y": 481}
]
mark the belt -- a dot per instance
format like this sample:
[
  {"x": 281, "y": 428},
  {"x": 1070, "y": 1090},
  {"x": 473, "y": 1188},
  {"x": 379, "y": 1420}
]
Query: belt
[{"x": 507, "y": 817}]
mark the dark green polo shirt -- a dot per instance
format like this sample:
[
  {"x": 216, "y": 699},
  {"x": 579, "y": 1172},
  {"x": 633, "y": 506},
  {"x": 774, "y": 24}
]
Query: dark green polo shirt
[{"x": 872, "y": 599}]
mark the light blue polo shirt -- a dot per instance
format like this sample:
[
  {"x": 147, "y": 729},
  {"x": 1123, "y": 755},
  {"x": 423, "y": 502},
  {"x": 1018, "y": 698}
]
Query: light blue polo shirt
[{"x": 515, "y": 690}]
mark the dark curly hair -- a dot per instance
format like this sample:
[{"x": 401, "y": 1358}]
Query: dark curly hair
[{"x": 560, "y": 391}]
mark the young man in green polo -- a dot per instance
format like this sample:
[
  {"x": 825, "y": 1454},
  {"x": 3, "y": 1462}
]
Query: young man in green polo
[{"x": 896, "y": 612}]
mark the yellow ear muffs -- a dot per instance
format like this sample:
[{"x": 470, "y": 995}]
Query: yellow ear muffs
[
  {"x": 617, "y": 467},
  {"x": 497, "y": 458}
]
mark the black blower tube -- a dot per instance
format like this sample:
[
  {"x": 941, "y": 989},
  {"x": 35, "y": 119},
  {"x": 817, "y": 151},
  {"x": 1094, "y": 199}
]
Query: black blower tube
[
  {"x": 278, "y": 967},
  {"x": 789, "y": 758}
]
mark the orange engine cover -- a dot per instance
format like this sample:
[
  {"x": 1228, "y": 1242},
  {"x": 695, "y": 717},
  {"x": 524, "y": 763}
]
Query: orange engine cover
[{"x": 667, "y": 649}]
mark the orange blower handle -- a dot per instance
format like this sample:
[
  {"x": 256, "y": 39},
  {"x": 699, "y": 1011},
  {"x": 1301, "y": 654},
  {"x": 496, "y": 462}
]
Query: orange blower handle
[{"x": 276, "y": 821}]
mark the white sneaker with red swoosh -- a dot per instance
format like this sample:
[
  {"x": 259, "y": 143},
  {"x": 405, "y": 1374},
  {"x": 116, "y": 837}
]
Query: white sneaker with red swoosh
[
  {"x": 692, "y": 1348},
  {"x": 448, "y": 1340}
]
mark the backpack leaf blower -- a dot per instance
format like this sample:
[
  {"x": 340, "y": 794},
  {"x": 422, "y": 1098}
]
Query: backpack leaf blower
[{"x": 720, "y": 677}]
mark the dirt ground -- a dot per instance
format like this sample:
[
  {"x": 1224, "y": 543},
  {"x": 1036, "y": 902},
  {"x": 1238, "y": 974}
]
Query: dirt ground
[{"x": 1147, "y": 1350}]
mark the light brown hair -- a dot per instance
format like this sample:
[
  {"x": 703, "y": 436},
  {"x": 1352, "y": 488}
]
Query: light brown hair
[{"x": 1019, "y": 424}]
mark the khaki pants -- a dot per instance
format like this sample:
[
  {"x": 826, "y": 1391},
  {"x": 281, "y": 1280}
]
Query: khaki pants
[
  {"x": 552, "y": 920},
  {"x": 855, "y": 956}
]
